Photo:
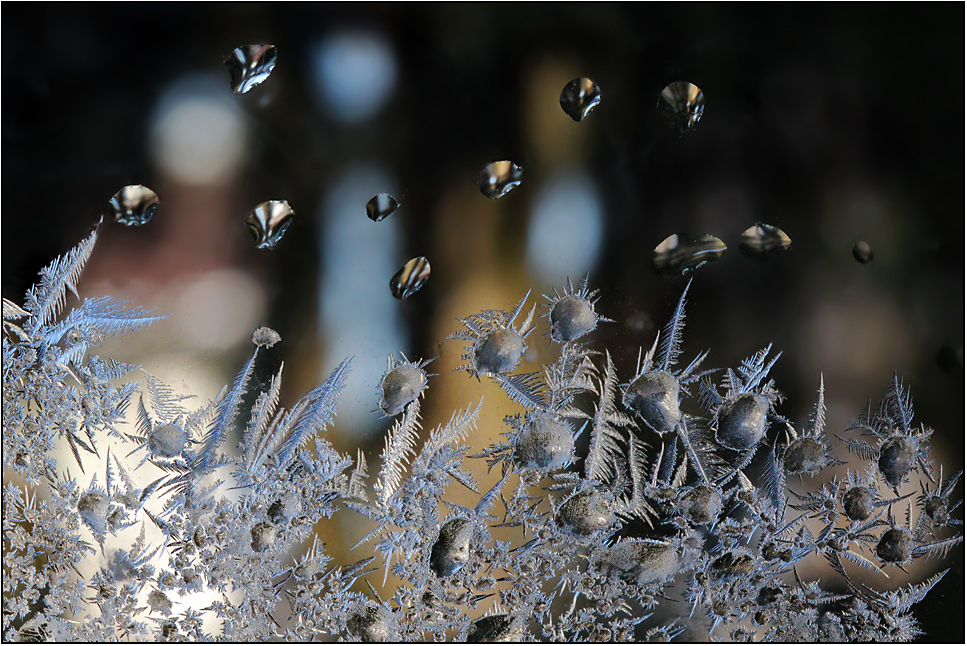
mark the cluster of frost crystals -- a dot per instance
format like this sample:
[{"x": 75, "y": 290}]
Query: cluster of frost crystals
[{"x": 686, "y": 515}]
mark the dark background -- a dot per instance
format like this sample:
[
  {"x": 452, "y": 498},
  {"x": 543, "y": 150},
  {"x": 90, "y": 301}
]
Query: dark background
[{"x": 829, "y": 121}]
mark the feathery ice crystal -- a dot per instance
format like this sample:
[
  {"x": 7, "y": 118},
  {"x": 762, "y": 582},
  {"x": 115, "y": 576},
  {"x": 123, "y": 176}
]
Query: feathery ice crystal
[{"x": 664, "y": 503}]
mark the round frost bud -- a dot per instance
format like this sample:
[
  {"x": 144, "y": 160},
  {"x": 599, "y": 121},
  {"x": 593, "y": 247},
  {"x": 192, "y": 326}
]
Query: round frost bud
[
  {"x": 895, "y": 545},
  {"x": 805, "y": 455},
  {"x": 494, "y": 628},
  {"x": 498, "y": 351},
  {"x": 263, "y": 536},
  {"x": 265, "y": 337},
  {"x": 159, "y": 602},
  {"x": 370, "y": 624},
  {"x": 742, "y": 421},
  {"x": 858, "y": 503},
  {"x": 935, "y": 508},
  {"x": 452, "y": 548},
  {"x": 286, "y": 508},
  {"x": 702, "y": 505},
  {"x": 93, "y": 507},
  {"x": 641, "y": 561},
  {"x": 654, "y": 396},
  {"x": 898, "y": 456},
  {"x": 587, "y": 512},
  {"x": 401, "y": 386},
  {"x": 543, "y": 444},
  {"x": 571, "y": 318},
  {"x": 167, "y": 440}
]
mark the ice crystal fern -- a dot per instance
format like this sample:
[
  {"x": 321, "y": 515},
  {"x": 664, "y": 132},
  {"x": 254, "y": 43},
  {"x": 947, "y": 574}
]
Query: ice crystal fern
[{"x": 669, "y": 450}]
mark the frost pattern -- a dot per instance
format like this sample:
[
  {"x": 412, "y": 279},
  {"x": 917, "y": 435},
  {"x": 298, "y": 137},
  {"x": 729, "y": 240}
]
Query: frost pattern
[{"x": 711, "y": 507}]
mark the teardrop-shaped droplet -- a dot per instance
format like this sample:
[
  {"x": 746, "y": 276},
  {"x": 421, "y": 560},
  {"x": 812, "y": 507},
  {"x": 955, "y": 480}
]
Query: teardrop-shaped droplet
[
  {"x": 681, "y": 253},
  {"x": 268, "y": 222},
  {"x": 499, "y": 178},
  {"x": 381, "y": 207},
  {"x": 249, "y": 65},
  {"x": 763, "y": 241},
  {"x": 580, "y": 97},
  {"x": 681, "y": 105},
  {"x": 134, "y": 205},
  {"x": 408, "y": 280},
  {"x": 863, "y": 252}
]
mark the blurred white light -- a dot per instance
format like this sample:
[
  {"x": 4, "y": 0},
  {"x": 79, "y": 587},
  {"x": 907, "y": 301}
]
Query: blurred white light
[
  {"x": 354, "y": 74},
  {"x": 198, "y": 134},
  {"x": 359, "y": 316},
  {"x": 220, "y": 309},
  {"x": 565, "y": 228}
]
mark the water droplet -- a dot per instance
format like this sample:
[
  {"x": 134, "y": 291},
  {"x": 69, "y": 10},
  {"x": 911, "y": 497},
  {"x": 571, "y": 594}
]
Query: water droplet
[
  {"x": 681, "y": 104},
  {"x": 408, "y": 280},
  {"x": 249, "y": 65},
  {"x": 580, "y": 97},
  {"x": 681, "y": 253},
  {"x": 268, "y": 222},
  {"x": 499, "y": 178},
  {"x": 134, "y": 205},
  {"x": 381, "y": 207},
  {"x": 762, "y": 241},
  {"x": 862, "y": 252}
]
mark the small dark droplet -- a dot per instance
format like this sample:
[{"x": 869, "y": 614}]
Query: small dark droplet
[
  {"x": 408, "y": 280},
  {"x": 499, "y": 178},
  {"x": 862, "y": 252},
  {"x": 681, "y": 105},
  {"x": 250, "y": 65},
  {"x": 134, "y": 205},
  {"x": 381, "y": 207},
  {"x": 580, "y": 97}
]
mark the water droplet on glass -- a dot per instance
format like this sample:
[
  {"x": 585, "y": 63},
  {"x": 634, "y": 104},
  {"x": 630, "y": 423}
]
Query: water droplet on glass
[
  {"x": 249, "y": 65},
  {"x": 499, "y": 178},
  {"x": 381, "y": 207},
  {"x": 763, "y": 241},
  {"x": 134, "y": 205},
  {"x": 862, "y": 252},
  {"x": 580, "y": 97},
  {"x": 408, "y": 280},
  {"x": 681, "y": 253},
  {"x": 681, "y": 105},
  {"x": 268, "y": 222}
]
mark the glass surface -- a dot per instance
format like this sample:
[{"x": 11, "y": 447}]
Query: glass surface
[{"x": 814, "y": 124}]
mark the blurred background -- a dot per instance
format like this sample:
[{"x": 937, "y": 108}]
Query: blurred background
[{"x": 836, "y": 123}]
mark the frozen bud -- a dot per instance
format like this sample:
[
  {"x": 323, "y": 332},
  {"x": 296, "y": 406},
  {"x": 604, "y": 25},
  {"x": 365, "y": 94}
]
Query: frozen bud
[
  {"x": 200, "y": 537},
  {"x": 858, "y": 503},
  {"x": 543, "y": 444},
  {"x": 169, "y": 631},
  {"x": 286, "y": 508},
  {"x": 804, "y": 455},
  {"x": 742, "y": 421},
  {"x": 265, "y": 337},
  {"x": 159, "y": 602},
  {"x": 702, "y": 505},
  {"x": 571, "y": 318},
  {"x": 733, "y": 563},
  {"x": 401, "y": 386},
  {"x": 935, "y": 508},
  {"x": 498, "y": 352},
  {"x": 586, "y": 512},
  {"x": 452, "y": 549},
  {"x": 654, "y": 396},
  {"x": 263, "y": 536},
  {"x": 370, "y": 624},
  {"x": 895, "y": 545},
  {"x": 494, "y": 628},
  {"x": 898, "y": 456},
  {"x": 769, "y": 595},
  {"x": 93, "y": 507},
  {"x": 641, "y": 561},
  {"x": 167, "y": 440}
]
